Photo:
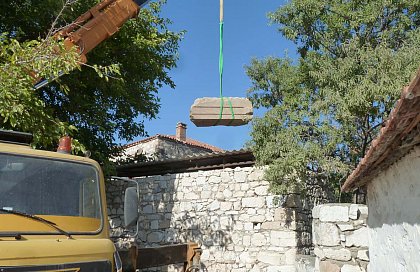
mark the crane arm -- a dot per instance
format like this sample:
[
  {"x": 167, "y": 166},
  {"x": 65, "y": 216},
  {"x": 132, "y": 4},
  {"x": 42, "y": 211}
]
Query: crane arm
[
  {"x": 96, "y": 25},
  {"x": 99, "y": 23}
]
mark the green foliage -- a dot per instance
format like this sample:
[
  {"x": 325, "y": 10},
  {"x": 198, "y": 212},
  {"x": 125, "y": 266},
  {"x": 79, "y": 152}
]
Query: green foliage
[
  {"x": 324, "y": 26},
  {"x": 111, "y": 100},
  {"x": 324, "y": 110},
  {"x": 20, "y": 106}
]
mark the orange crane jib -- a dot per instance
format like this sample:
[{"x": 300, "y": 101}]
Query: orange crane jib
[
  {"x": 99, "y": 23},
  {"x": 95, "y": 26}
]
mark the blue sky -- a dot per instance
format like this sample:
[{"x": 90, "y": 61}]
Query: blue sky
[{"x": 247, "y": 35}]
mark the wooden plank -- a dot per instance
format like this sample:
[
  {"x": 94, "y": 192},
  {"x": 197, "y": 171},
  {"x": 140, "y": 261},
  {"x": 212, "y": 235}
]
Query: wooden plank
[
  {"x": 217, "y": 122},
  {"x": 226, "y": 110},
  {"x": 206, "y": 112},
  {"x": 224, "y": 121},
  {"x": 224, "y": 116},
  {"x": 214, "y": 102},
  {"x": 160, "y": 256}
]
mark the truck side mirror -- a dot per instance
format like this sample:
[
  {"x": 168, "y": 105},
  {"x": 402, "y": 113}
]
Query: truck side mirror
[{"x": 131, "y": 204}]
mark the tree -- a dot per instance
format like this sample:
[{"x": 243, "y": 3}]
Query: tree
[
  {"x": 99, "y": 111},
  {"x": 324, "y": 109}
]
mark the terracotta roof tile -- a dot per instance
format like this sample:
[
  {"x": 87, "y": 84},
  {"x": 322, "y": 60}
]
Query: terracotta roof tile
[
  {"x": 188, "y": 141},
  {"x": 398, "y": 136},
  {"x": 193, "y": 142}
]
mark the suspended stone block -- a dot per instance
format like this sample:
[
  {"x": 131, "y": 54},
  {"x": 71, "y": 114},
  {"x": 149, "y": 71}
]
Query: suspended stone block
[{"x": 205, "y": 112}]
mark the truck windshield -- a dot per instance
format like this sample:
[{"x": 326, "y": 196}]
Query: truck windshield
[{"x": 64, "y": 192}]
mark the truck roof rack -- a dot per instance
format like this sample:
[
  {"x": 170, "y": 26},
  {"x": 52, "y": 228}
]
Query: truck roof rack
[{"x": 15, "y": 137}]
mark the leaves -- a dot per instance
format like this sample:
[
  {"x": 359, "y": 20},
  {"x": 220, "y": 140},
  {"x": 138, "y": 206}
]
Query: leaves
[{"x": 20, "y": 107}]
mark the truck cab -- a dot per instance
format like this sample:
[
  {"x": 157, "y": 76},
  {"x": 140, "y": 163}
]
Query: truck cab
[{"x": 52, "y": 211}]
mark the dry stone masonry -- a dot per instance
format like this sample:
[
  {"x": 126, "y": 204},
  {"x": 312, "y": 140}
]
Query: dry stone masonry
[
  {"x": 340, "y": 236},
  {"x": 229, "y": 212}
]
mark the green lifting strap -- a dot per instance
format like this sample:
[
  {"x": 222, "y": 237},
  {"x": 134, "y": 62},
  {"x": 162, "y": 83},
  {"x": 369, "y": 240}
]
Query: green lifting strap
[{"x": 222, "y": 102}]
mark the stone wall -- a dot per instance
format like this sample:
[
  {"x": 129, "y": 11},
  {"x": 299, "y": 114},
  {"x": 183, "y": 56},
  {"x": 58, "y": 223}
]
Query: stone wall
[
  {"x": 229, "y": 212},
  {"x": 340, "y": 237}
]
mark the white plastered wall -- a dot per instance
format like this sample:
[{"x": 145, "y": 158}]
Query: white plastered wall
[{"x": 394, "y": 217}]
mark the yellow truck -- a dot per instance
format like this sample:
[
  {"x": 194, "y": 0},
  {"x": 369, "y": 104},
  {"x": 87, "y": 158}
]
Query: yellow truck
[
  {"x": 52, "y": 211},
  {"x": 53, "y": 214}
]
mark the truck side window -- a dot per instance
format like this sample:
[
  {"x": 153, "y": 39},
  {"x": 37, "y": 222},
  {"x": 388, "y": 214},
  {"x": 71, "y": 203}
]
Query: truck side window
[{"x": 89, "y": 203}]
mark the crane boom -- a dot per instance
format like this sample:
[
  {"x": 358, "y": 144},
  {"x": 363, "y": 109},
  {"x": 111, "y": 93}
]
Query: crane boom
[
  {"x": 96, "y": 25},
  {"x": 99, "y": 23}
]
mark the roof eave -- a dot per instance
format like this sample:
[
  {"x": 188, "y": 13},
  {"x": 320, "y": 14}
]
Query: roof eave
[{"x": 402, "y": 120}]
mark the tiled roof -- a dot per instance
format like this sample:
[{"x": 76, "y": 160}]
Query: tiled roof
[
  {"x": 226, "y": 159},
  {"x": 140, "y": 142},
  {"x": 399, "y": 135},
  {"x": 190, "y": 142},
  {"x": 193, "y": 142}
]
